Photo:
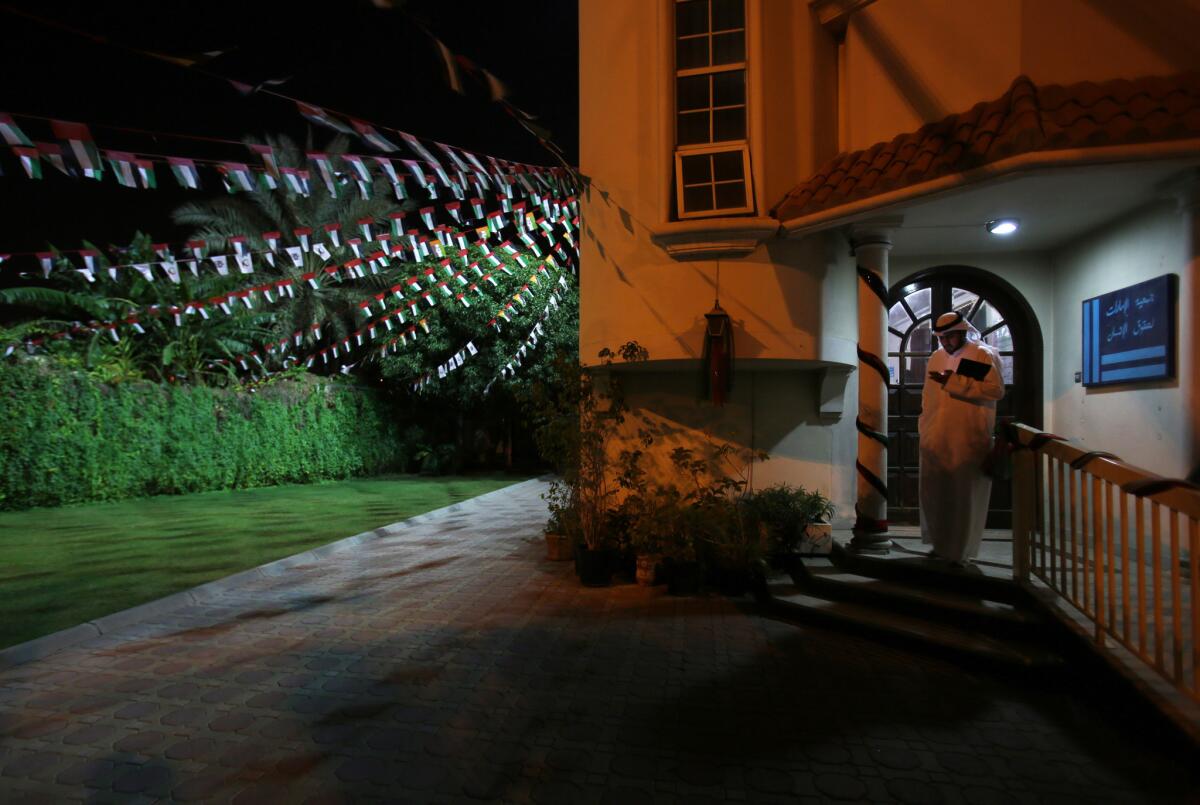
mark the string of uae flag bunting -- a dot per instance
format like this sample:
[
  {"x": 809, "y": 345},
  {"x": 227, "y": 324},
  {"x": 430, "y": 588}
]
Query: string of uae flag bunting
[
  {"x": 376, "y": 261},
  {"x": 455, "y": 65},
  {"x": 469, "y": 350},
  {"x": 374, "y": 327},
  {"x": 408, "y": 293},
  {"x": 74, "y": 153},
  {"x": 399, "y": 243}
]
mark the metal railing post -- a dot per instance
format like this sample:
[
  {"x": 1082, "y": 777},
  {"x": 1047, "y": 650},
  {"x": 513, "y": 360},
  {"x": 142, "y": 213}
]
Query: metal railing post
[{"x": 1025, "y": 493}]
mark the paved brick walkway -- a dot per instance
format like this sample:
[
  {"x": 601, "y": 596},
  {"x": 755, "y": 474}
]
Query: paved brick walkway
[{"x": 452, "y": 663}]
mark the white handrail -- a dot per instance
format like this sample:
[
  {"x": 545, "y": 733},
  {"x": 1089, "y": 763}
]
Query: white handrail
[{"x": 1121, "y": 544}]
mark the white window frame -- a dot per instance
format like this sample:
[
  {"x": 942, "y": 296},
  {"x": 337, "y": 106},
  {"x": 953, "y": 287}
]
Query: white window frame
[
  {"x": 722, "y": 148},
  {"x": 711, "y": 147}
]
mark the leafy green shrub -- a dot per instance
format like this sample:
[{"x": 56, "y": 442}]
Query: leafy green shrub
[
  {"x": 786, "y": 511},
  {"x": 65, "y": 437}
]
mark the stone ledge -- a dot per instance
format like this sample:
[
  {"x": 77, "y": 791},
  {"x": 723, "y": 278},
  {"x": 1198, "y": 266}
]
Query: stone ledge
[{"x": 710, "y": 238}]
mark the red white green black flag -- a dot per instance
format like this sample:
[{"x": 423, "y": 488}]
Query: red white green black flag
[
  {"x": 236, "y": 176},
  {"x": 185, "y": 172},
  {"x": 122, "y": 165},
  {"x": 80, "y": 145},
  {"x": 12, "y": 133},
  {"x": 325, "y": 168},
  {"x": 372, "y": 136},
  {"x": 145, "y": 171},
  {"x": 29, "y": 161}
]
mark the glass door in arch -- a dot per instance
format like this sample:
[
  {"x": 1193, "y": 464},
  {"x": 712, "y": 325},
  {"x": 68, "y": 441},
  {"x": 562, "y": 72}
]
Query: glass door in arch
[{"x": 910, "y": 343}]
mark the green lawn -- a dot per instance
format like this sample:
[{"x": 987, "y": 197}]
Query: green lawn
[{"x": 62, "y": 567}]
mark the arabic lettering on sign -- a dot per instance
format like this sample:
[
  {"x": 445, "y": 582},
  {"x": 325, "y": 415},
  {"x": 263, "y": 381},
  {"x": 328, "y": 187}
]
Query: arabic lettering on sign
[
  {"x": 1131, "y": 316},
  {"x": 1120, "y": 307}
]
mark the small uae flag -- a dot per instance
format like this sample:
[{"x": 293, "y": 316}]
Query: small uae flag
[
  {"x": 296, "y": 181},
  {"x": 333, "y": 232},
  {"x": 267, "y": 153},
  {"x": 397, "y": 222},
  {"x": 145, "y": 171},
  {"x": 389, "y": 170},
  {"x": 302, "y": 234},
  {"x": 325, "y": 168},
  {"x": 495, "y": 221},
  {"x": 121, "y": 163},
  {"x": 364, "y": 225},
  {"x": 316, "y": 114},
  {"x": 12, "y": 133},
  {"x": 362, "y": 175},
  {"x": 239, "y": 244},
  {"x": 78, "y": 141},
  {"x": 427, "y": 217},
  {"x": 372, "y": 136},
  {"x": 185, "y": 172},
  {"x": 29, "y": 161}
]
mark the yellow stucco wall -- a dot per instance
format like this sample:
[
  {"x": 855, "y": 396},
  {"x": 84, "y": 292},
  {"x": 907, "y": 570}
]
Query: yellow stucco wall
[
  {"x": 910, "y": 62},
  {"x": 792, "y": 302}
]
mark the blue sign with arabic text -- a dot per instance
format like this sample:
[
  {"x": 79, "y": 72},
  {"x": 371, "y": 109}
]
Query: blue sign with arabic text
[{"x": 1129, "y": 335}]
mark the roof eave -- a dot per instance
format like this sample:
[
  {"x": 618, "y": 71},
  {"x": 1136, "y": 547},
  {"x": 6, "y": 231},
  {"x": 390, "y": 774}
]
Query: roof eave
[{"x": 891, "y": 201}]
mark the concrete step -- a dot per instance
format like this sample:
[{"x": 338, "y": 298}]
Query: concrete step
[
  {"x": 788, "y": 602},
  {"x": 820, "y": 576},
  {"x": 920, "y": 571}
]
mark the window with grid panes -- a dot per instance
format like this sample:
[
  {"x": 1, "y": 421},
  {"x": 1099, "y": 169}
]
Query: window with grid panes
[{"x": 712, "y": 158}]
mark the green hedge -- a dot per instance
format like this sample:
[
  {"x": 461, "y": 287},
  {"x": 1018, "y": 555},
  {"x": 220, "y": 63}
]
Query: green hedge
[{"x": 66, "y": 438}]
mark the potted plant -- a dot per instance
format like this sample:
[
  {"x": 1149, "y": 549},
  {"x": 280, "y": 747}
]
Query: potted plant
[
  {"x": 562, "y": 526},
  {"x": 787, "y": 514},
  {"x": 576, "y": 418}
]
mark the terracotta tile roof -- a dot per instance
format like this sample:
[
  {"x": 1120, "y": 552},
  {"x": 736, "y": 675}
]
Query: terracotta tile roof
[{"x": 1025, "y": 118}]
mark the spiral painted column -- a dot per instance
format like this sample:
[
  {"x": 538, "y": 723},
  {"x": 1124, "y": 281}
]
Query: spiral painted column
[{"x": 871, "y": 249}]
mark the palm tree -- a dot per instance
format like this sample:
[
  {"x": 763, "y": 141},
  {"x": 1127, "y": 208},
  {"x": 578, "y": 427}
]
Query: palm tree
[
  {"x": 252, "y": 214},
  {"x": 72, "y": 322}
]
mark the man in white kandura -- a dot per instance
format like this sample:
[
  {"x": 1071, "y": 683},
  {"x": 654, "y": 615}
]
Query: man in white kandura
[{"x": 958, "y": 413}]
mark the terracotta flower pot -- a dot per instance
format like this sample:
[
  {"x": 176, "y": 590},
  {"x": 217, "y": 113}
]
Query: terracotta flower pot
[{"x": 647, "y": 569}]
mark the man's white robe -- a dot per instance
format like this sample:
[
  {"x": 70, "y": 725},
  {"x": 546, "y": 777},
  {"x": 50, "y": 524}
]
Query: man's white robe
[{"x": 955, "y": 428}]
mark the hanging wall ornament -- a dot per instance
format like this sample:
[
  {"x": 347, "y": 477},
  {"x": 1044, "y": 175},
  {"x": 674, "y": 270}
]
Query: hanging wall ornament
[{"x": 718, "y": 350}]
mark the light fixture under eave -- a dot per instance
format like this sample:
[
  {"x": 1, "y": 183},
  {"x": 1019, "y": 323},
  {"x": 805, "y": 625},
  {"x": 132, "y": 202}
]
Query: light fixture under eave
[{"x": 1003, "y": 226}]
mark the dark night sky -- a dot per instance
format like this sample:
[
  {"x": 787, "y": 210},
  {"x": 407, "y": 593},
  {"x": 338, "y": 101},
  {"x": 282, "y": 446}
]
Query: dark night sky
[{"x": 368, "y": 62}]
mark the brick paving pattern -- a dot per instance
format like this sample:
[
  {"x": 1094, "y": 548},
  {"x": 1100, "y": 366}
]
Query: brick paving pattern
[{"x": 452, "y": 663}]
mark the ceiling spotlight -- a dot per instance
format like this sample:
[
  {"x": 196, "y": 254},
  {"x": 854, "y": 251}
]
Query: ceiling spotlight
[{"x": 1003, "y": 226}]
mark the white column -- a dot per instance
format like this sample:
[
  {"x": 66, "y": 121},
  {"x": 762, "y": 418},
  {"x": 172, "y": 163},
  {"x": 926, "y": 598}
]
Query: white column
[{"x": 871, "y": 246}]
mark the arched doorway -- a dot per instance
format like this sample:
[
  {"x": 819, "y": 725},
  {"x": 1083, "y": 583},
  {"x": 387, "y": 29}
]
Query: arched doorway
[{"x": 1005, "y": 321}]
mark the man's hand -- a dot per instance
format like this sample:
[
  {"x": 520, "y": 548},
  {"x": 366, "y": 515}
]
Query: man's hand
[{"x": 940, "y": 377}]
